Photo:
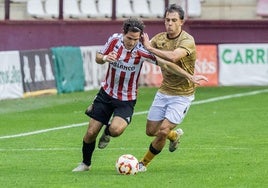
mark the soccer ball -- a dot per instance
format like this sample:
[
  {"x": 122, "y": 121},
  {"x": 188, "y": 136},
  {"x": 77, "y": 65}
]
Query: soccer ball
[{"x": 127, "y": 164}]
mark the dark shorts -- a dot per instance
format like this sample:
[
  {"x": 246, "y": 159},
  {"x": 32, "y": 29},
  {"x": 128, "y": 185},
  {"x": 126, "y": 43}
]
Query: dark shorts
[{"x": 104, "y": 106}]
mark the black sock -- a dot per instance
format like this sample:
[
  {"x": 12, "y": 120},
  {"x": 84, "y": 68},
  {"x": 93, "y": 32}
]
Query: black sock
[
  {"x": 106, "y": 130},
  {"x": 87, "y": 151}
]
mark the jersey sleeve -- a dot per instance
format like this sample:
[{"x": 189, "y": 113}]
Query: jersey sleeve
[{"x": 188, "y": 44}]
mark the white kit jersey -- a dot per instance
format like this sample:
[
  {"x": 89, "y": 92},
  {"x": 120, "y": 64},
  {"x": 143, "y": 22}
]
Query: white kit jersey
[{"x": 121, "y": 81}]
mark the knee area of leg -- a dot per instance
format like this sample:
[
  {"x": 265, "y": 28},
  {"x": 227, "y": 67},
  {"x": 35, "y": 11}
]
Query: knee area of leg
[
  {"x": 115, "y": 133},
  {"x": 90, "y": 133},
  {"x": 163, "y": 133},
  {"x": 149, "y": 133}
]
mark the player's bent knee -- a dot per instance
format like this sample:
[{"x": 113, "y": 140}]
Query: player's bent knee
[
  {"x": 90, "y": 133},
  {"x": 151, "y": 132},
  {"x": 162, "y": 133},
  {"x": 116, "y": 133}
]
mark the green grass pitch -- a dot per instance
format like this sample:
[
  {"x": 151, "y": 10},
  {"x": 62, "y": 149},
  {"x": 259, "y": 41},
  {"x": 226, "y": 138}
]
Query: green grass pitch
[{"x": 224, "y": 145}]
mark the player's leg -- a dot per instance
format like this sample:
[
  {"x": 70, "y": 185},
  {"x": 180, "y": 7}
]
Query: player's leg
[
  {"x": 123, "y": 111},
  {"x": 156, "y": 115},
  {"x": 113, "y": 129},
  {"x": 155, "y": 118},
  {"x": 100, "y": 113},
  {"x": 158, "y": 143},
  {"x": 88, "y": 145},
  {"x": 177, "y": 109},
  {"x": 152, "y": 127}
]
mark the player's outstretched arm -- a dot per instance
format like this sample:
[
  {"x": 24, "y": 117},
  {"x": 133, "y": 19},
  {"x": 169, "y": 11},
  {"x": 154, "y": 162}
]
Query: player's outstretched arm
[
  {"x": 169, "y": 55},
  {"x": 175, "y": 69},
  {"x": 198, "y": 78}
]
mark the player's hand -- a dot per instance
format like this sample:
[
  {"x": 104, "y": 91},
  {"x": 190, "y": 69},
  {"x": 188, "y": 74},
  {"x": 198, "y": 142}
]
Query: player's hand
[
  {"x": 111, "y": 57},
  {"x": 198, "y": 78},
  {"x": 146, "y": 40}
]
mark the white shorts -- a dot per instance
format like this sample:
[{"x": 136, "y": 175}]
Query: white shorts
[{"x": 173, "y": 108}]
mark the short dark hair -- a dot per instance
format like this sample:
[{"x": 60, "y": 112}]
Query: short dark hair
[
  {"x": 133, "y": 25},
  {"x": 175, "y": 8}
]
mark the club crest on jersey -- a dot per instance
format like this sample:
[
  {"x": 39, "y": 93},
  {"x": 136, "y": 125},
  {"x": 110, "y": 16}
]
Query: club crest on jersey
[{"x": 134, "y": 54}]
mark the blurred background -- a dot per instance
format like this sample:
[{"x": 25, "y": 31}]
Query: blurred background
[
  {"x": 151, "y": 9},
  {"x": 39, "y": 39}
]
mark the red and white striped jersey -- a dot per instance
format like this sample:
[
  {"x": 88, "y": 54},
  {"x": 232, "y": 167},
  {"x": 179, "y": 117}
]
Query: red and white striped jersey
[{"x": 121, "y": 81}]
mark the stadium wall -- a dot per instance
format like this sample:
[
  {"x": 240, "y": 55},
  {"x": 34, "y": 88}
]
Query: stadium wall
[
  {"x": 33, "y": 57},
  {"x": 27, "y": 35}
]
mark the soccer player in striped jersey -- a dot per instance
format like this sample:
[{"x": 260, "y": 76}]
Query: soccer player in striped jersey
[{"x": 116, "y": 99}]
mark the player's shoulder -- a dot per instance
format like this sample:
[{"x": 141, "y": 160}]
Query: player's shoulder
[
  {"x": 187, "y": 35},
  {"x": 116, "y": 35},
  {"x": 115, "y": 38},
  {"x": 160, "y": 35}
]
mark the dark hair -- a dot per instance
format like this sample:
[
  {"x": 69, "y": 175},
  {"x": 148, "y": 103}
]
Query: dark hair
[
  {"x": 133, "y": 25},
  {"x": 175, "y": 8}
]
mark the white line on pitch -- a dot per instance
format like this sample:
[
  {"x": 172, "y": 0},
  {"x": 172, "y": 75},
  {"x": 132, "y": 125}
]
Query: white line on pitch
[{"x": 137, "y": 113}]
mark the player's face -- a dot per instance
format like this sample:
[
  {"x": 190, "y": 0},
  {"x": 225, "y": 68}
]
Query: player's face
[
  {"x": 173, "y": 24},
  {"x": 131, "y": 39}
]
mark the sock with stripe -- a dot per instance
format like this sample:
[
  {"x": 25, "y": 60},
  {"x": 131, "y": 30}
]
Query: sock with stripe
[{"x": 148, "y": 157}]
